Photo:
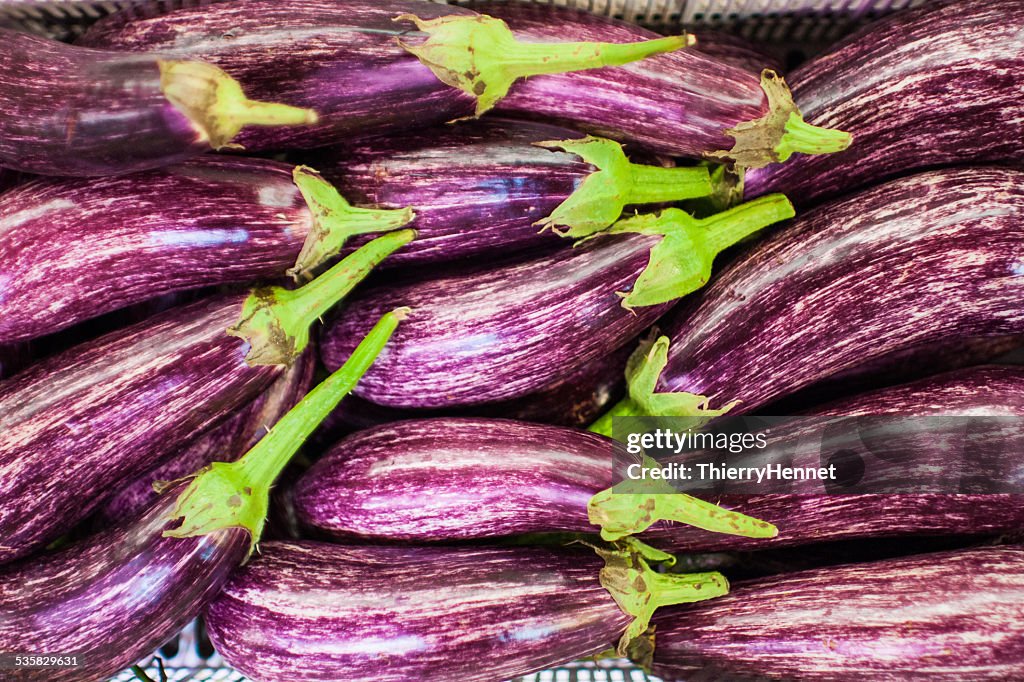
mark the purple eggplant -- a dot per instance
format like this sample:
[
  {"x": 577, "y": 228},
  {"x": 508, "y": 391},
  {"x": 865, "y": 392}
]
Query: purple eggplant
[
  {"x": 492, "y": 334},
  {"x": 79, "y": 111},
  {"x": 909, "y": 263},
  {"x": 312, "y": 611},
  {"x": 946, "y": 616},
  {"x": 111, "y": 409},
  {"x": 74, "y": 249},
  {"x": 934, "y": 86},
  {"x": 454, "y": 479},
  {"x": 683, "y": 103},
  {"x": 222, "y": 443},
  {"x": 490, "y": 188},
  {"x": 360, "y": 70}
]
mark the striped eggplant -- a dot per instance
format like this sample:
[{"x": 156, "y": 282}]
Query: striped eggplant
[
  {"x": 929, "y": 87},
  {"x": 74, "y": 249},
  {"x": 108, "y": 410},
  {"x": 898, "y": 266},
  {"x": 112, "y": 598},
  {"x": 313, "y": 611},
  {"x": 365, "y": 66},
  {"x": 495, "y": 333},
  {"x": 488, "y": 188},
  {"x": 72, "y": 110},
  {"x": 683, "y": 103},
  {"x": 946, "y": 616},
  {"x": 222, "y": 443},
  {"x": 456, "y": 479}
]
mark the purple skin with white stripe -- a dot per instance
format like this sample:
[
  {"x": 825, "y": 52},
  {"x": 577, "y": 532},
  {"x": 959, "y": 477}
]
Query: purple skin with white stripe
[
  {"x": 934, "y": 86},
  {"x": 304, "y": 611},
  {"x": 948, "y": 616},
  {"x": 73, "y": 249},
  {"x": 902, "y": 265},
  {"x": 114, "y": 597},
  {"x": 72, "y": 110},
  {"x": 493, "y": 334},
  {"x": 106, "y": 411},
  {"x": 454, "y": 479},
  {"x": 222, "y": 443}
]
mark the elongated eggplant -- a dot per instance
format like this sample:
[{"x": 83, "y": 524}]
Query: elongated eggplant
[
  {"x": 79, "y": 111},
  {"x": 924, "y": 88},
  {"x": 908, "y": 263},
  {"x": 111, "y": 409},
  {"x": 222, "y": 443},
  {"x": 74, "y": 249},
  {"x": 112, "y": 598},
  {"x": 359, "y": 69},
  {"x": 945, "y": 616},
  {"x": 492, "y": 334},
  {"x": 455, "y": 479},
  {"x": 683, "y": 103},
  {"x": 307, "y": 611},
  {"x": 489, "y": 187}
]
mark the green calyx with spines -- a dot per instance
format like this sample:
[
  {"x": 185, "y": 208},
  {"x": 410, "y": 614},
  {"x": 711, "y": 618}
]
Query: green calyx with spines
[
  {"x": 780, "y": 133},
  {"x": 237, "y": 494},
  {"x": 275, "y": 321},
  {"x": 680, "y": 263},
  {"x": 335, "y": 221},
  {"x": 599, "y": 201},
  {"x": 481, "y": 56}
]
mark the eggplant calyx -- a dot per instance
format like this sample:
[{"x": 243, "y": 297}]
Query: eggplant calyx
[
  {"x": 680, "y": 263},
  {"x": 481, "y": 56},
  {"x": 335, "y": 220},
  {"x": 600, "y": 199},
  {"x": 215, "y": 104},
  {"x": 275, "y": 321},
  {"x": 639, "y": 590},
  {"x": 237, "y": 494},
  {"x": 780, "y": 133}
]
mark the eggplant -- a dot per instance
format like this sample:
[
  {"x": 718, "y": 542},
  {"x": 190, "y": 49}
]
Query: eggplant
[
  {"x": 933, "y": 86},
  {"x": 360, "y": 70},
  {"x": 109, "y": 410},
  {"x": 72, "y": 110},
  {"x": 222, "y": 443},
  {"x": 458, "y": 479},
  {"x": 683, "y": 103},
  {"x": 112, "y": 598},
  {"x": 945, "y": 616},
  {"x": 490, "y": 188},
  {"x": 529, "y": 323},
  {"x": 899, "y": 266},
  {"x": 313, "y": 611},
  {"x": 75, "y": 249}
]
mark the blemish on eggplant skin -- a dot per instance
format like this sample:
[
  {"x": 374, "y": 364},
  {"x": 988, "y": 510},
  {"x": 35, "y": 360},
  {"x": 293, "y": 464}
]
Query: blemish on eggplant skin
[{"x": 198, "y": 238}]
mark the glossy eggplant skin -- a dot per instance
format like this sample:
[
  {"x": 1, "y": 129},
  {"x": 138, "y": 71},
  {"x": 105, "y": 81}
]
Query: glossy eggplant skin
[
  {"x": 898, "y": 266},
  {"x": 341, "y": 59},
  {"x": 312, "y": 611},
  {"x": 73, "y": 249},
  {"x": 222, "y": 443},
  {"x": 489, "y": 478},
  {"x": 114, "y": 597},
  {"x": 493, "y": 334},
  {"x": 106, "y": 411},
  {"x": 946, "y": 616},
  {"x": 934, "y": 86},
  {"x": 478, "y": 189}
]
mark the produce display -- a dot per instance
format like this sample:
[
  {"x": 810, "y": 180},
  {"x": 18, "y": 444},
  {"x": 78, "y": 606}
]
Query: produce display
[{"x": 382, "y": 340}]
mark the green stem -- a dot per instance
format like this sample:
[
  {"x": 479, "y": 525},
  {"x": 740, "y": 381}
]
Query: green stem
[
  {"x": 604, "y": 423},
  {"x": 335, "y": 221},
  {"x": 802, "y": 137},
  {"x": 656, "y": 185},
  {"x": 730, "y": 227},
  {"x": 276, "y": 321},
  {"x": 236, "y": 494}
]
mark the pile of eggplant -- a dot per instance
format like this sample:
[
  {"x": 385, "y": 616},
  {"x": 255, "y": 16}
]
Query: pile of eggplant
[{"x": 317, "y": 318}]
